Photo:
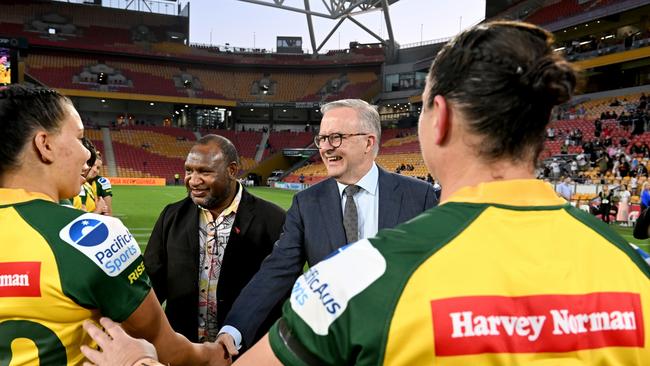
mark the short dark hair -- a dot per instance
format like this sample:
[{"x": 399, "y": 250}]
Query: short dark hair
[
  {"x": 227, "y": 147},
  {"x": 23, "y": 110},
  {"x": 505, "y": 78}
]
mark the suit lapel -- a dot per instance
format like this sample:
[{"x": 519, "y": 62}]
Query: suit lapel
[
  {"x": 390, "y": 198},
  {"x": 243, "y": 217},
  {"x": 192, "y": 234},
  {"x": 331, "y": 214}
]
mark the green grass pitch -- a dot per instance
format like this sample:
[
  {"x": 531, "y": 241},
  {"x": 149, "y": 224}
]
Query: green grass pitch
[{"x": 139, "y": 207}]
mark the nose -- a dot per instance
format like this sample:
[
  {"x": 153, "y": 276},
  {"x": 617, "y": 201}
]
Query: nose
[{"x": 193, "y": 178}]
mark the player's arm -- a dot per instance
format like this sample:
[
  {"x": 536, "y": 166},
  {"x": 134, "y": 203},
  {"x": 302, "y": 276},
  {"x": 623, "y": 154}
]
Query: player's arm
[
  {"x": 148, "y": 321},
  {"x": 260, "y": 354},
  {"x": 104, "y": 185},
  {"x": 109, "y": 205}
]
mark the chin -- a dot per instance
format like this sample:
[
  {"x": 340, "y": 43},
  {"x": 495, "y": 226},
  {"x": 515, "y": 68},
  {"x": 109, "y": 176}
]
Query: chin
[{"x": 335, "y": 172}]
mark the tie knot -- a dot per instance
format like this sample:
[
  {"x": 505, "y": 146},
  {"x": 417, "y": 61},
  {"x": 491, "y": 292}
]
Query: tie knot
[{"x": 351, "y": 190}]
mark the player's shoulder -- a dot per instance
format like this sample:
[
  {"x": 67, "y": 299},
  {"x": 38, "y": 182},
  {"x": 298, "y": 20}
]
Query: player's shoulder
[
  {"x": 103, "y": 239},
  {"x": 322, "y": 294},
  {"x": 103, "y": 181}
]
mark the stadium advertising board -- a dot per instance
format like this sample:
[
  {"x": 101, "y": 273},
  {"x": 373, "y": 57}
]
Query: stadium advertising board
[
  {"x": 122, "y": 181},
  {"x": 291, "y": 186}
]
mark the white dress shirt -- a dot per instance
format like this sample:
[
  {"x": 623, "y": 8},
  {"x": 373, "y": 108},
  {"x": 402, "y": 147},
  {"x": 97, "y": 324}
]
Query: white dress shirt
[{"x": 367, "y": 201}]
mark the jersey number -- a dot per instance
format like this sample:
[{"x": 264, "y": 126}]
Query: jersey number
[{"x": 50, "y": 348}]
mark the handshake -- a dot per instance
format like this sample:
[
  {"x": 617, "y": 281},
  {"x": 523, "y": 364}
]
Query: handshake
[{"x": 120, "y": 349}]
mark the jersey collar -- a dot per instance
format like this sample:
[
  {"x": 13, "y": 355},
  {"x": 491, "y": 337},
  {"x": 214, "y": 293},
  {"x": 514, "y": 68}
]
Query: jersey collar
[
  {"x": 10, "y": 196},
  {"x": 516, "y": 192}
]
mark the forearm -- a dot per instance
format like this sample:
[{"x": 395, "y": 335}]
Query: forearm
[
  {"x": 149, "y": 322},
  {"x": 174, "y": 349},
  {"x": 109, "y": 205}
]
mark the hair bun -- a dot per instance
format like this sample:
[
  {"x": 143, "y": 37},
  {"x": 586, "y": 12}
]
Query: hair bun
[{"x": 551, "y": 79}]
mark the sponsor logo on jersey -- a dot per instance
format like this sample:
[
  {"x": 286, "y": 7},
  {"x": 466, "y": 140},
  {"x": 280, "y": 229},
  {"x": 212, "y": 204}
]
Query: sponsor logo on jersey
[
  {"x": 88, "y": 232},
  {"x": 20, "y": 279},
  {"x": 104, "y": 240},
  {"x": 105, "y": 183},
  {"x": 322, "y": 294},
  {"x": 541, "y": 323}
]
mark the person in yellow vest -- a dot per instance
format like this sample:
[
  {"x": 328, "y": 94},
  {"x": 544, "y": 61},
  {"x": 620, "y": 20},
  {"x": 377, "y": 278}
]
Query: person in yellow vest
[
  {"x": 5, "y": 71},
  {"x": 503, "y": 272}
]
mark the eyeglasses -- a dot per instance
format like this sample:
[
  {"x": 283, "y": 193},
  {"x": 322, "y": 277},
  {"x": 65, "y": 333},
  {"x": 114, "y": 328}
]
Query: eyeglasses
[{"x": 335, "y": 139}]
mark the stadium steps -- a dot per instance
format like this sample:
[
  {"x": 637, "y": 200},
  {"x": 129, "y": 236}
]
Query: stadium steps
[
  {"x": 262, "y": 146},
  {"x": 109, "y": 153}
]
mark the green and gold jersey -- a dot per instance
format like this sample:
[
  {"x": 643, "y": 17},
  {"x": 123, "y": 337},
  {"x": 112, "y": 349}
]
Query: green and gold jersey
[
  {"x": 504, "y": 273},
  {"x": 85, "y": 200},
  {"x": 101, "y": 186},
  {"x": 58, "y": 267}
]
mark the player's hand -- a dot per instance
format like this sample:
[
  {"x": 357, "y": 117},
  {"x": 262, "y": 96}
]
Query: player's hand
[
  {"x": 101, "y": 206},
  {"x": 227, "y": 342},
  {"x": 218, "y": 356},
  {"x": 118, "y": 348}
]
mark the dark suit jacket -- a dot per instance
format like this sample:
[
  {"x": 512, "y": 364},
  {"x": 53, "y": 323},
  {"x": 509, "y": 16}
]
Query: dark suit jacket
[
  {"x": 314, "y": 229},
  {"x": 172, "y": 258}
]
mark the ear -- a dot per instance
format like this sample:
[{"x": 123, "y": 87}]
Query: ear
[
  {"x": 441, "y": 125},
  {"x": 43, "y": 147},
  {"x": 233, "y": 169},
  {"x": 370, "y": 143}
]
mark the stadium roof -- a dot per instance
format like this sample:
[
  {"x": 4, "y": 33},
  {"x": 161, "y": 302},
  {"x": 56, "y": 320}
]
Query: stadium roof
[{"x": 337, "y": 10}]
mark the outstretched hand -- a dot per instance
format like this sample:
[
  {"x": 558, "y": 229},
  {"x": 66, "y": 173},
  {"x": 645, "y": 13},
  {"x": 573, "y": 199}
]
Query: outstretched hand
[
  {"x": 118, "y": 348},
  {"x": 227, "y": 342}
]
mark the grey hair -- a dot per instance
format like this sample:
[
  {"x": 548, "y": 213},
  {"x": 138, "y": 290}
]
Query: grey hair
[{"x": 368, "y": 116}]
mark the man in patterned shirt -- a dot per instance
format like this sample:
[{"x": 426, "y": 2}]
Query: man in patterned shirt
[{"x": 205, "y": 248}]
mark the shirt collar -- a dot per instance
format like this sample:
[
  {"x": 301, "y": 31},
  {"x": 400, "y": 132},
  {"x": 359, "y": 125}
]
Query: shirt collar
[
  {"x": 368, "y": 182},
  {"x": 232, "y": 208},
  {"x": 516, "y": 192},
  {"x": 15, "y": 195}
]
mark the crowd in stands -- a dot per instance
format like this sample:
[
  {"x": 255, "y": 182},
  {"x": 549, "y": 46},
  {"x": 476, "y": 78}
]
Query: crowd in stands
[
  {"x": 618, "y": 149},
  {"x": 612, "y": 152}
]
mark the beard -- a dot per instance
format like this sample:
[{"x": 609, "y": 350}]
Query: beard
[{"x": 216, "y": 199}]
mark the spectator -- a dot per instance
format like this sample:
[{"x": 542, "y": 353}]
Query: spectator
[
  {"x": 564, "y": 189},
  {"x": 581, "y": 159},
  {"x": 550, "y": 133},
  {"x": 645, "y": 196},
  {"x": 606, "y": 201},
  {"x": 573, "y": 166},
  {"x": 555, "y": 169},
  {"x": 623, "y": 205}
]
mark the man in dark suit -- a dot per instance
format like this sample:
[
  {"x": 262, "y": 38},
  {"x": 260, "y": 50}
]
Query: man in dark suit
[
  {"x": 318, "y": 221},
  {"x": 219, "y": 234}
]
